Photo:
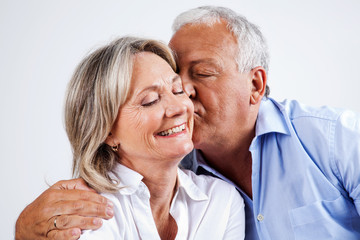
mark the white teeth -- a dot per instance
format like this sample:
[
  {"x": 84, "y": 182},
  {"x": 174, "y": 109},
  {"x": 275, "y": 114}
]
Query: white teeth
[{"x": 172, "y": 130}]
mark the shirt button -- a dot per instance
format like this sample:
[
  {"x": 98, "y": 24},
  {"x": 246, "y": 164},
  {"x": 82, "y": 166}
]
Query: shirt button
[{"x": 260, "y": 217}]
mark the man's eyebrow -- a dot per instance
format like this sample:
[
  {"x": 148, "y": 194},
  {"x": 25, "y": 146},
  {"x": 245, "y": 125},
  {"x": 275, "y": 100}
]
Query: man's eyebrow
[
  {"x": 204, "y": 60},
  {"x": 209, "y": 62}
]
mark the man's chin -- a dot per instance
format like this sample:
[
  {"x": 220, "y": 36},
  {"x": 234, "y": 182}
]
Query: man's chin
[
  {"x": 199, "y": 136},
  {"x": 196, "y": 140}
]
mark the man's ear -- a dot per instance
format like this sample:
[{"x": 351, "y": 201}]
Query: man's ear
[{"x": 258, "y": 84}]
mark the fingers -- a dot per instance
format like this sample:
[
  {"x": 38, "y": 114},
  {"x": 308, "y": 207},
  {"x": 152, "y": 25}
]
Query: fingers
[
  {"x": 76, "y": 198},
  {"x": 78, "y": 183},
  {"x": 74, "y": 194},
  {"x": 83, "y": 208},
  {"x": 71, "y": 222},
  {"x": 68, "y": 227},
  {"x": 64, "y": 198},
  {"x": 70, "y": 234}
]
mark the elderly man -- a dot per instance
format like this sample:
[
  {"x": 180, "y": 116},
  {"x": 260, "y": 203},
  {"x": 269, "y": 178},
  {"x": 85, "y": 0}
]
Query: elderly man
[{"x": 297, "y": 167}]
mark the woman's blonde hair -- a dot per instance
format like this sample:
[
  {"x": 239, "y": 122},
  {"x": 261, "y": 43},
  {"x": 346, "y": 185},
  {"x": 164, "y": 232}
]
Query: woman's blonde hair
[{"x": 97, "y": 89}]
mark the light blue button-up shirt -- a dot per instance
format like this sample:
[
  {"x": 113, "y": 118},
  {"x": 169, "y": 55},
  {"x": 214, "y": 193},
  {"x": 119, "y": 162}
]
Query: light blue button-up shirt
[{"x": 305, "y": 173}]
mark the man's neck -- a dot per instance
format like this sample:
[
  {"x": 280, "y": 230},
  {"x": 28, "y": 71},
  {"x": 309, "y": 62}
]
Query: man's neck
[{"x": 235, "y": 164}]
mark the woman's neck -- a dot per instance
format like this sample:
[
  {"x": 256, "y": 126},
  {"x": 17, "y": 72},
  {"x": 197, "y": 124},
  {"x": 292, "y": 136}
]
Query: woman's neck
[
  {"x": 162, "y": 186},
  {"x": 161, "y": 180},
  {"x": 159, "y": 176}
]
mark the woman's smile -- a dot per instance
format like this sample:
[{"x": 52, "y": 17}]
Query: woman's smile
[{"x": 174, "y": 131}]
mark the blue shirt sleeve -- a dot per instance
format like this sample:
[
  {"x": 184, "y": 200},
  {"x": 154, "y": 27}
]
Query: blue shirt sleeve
[{"x": 346, "y": 154}]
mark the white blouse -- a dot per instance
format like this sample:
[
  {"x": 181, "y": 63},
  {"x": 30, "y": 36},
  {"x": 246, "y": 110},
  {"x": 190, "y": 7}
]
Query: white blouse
[{"x": 203, "y": 208}]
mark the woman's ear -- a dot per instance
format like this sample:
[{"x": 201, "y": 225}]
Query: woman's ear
[
  {"x": 112, "y": 142},
  {"x": 258, "y": 84},
  {"x": 109, "y": 140}
]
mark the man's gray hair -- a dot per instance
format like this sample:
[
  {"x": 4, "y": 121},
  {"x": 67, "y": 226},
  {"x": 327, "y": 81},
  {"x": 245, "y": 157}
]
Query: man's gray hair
[{"x": 253, "y": 50}]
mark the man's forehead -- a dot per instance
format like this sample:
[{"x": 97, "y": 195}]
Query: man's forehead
[
  {"x": 201, "y": 28},
  {"x": 200, "y": 36},
  {"x": 203, "y": 51}
]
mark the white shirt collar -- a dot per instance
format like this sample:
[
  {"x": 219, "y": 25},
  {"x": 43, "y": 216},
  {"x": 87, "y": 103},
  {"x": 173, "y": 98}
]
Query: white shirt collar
[
  {"x": 131, "y": 181},
  {"x": 185, "y": 182}
]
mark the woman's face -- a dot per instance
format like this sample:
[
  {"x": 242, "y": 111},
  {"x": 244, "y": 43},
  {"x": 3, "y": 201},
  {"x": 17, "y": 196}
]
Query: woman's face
[{"x": 156, "y": 121}]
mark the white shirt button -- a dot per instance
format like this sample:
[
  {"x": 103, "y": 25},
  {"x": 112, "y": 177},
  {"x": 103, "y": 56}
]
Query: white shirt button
[{"x": 260, "y": 217}]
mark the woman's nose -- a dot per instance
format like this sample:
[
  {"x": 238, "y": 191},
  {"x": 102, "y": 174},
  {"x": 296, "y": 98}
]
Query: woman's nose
[{"x": 175, "y": 107}]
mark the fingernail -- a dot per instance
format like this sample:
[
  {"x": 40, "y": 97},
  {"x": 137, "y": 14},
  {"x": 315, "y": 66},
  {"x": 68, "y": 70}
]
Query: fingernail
[
  {"x": 109, "y": 212},
  {"x": 97, "y": 221},
  {"x": 110, "y": 204},
  {"x": 75, "y": 232}
]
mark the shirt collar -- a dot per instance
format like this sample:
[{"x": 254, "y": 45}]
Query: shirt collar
[
  {"x": 270, "y": 118},
  {"x": 130, "y": 181},
  {"x": 192, "y": 190}
]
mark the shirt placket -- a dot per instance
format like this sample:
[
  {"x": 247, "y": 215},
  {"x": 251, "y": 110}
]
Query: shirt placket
[
  {"x": 259, "y": 216},
  {"x": 142, "y": 214}
]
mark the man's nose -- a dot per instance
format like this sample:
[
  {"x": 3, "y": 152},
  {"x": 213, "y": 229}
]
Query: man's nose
[{"x": 188, "y": 87}]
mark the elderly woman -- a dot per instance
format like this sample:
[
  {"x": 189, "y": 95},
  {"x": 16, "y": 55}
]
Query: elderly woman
[{"x": 129, "y": 124}]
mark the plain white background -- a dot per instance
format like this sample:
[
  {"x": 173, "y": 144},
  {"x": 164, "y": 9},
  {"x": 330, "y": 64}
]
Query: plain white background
[{"x": 314, "y": 48}]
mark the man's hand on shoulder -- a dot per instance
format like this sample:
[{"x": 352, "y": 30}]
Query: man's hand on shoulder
[{"x": 62, "y": 211}]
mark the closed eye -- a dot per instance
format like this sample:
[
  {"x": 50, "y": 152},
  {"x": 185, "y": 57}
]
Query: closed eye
[
  {"x": 178, "y": 92},
  {"x": 203, "y": 75},
  {"x": 150, "y": 103}
]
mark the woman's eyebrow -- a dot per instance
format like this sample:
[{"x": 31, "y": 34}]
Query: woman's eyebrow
[
  {"x": 156, "y": 86},
  {"x": 149, "y": 88},
  {"x": 176, "y": 78}
]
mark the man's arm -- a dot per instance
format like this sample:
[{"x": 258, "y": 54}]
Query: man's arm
[
  {"x": 72, "y": 203},
  {"x": 347, "y": 154}
]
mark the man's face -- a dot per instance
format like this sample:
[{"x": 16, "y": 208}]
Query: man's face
[{"x": 221, "y": 95}]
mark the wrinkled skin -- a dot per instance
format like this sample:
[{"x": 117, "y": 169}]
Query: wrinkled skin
[
  {"x": 226, "y": 101},
  {"x": 71, "y": 199},
  {"x": 226, "y": 104}
]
